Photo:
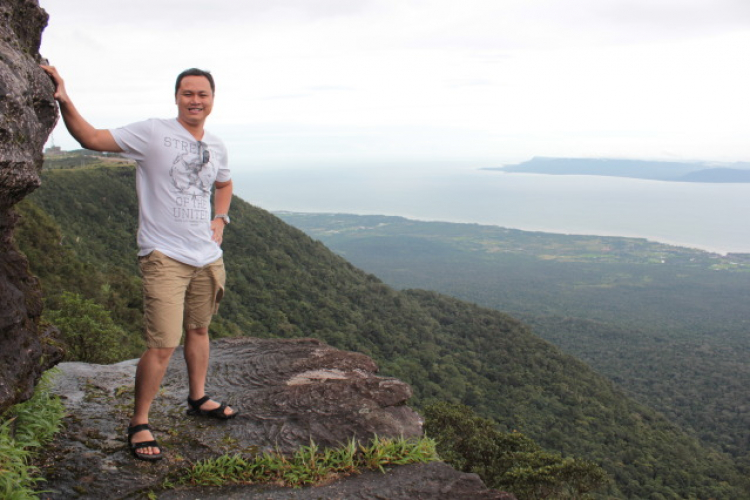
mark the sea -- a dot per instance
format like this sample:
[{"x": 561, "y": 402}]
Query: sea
[{"x": 707, "y": 216}]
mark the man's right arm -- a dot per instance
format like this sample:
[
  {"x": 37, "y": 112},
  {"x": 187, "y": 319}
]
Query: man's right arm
[{"x": 79, "y": 128}]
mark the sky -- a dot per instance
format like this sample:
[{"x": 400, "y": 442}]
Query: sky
[{"x": 490, "y": 82}]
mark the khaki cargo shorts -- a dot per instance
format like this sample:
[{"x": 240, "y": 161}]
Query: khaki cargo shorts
[{"x": 178, "y": 297}]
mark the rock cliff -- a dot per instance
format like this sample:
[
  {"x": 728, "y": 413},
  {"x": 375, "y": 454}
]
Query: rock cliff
[
  {"x": 288, "y": 391},
  {"x": 27, "y": 115}
]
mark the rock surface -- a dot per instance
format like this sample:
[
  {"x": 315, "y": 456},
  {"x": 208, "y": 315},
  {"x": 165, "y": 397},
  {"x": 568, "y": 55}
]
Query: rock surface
[
  {"x": 432, "y": 481},
  {"x": 27, "y": 115},
  {"x": 288, "y": 392}
]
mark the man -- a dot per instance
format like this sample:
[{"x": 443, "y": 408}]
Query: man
[{"x": 178, "y": 242}]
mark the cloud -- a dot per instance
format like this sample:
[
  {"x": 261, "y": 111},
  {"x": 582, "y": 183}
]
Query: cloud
[{"x": 524, "y": 75}]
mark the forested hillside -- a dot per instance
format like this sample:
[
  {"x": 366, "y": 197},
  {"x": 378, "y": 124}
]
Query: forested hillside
[
  {"x": 79, "y": 231},
  {"x": 668, "y": 323}
]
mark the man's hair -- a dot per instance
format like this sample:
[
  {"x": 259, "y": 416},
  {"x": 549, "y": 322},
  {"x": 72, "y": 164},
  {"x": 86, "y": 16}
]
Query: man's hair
[{"x": 195, "y": 72}]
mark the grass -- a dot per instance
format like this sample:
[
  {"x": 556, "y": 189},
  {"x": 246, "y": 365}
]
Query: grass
[
  {"x": 309, "y": 465},
  {"x": 24, "y": 428}
]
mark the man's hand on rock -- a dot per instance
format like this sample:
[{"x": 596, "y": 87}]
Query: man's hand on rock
[{"x": 60, "y": 93}]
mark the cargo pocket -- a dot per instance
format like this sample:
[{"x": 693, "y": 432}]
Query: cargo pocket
[{"x": 219, "y": 278}]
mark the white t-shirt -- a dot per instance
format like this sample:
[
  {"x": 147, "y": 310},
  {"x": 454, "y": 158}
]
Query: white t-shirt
[{"x": 174, "y": 178}]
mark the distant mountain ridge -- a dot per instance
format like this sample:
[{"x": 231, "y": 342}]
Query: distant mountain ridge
[{"x": 738, "y": 172}]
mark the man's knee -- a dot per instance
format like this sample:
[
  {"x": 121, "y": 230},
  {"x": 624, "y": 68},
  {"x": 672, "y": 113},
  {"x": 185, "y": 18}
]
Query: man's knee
[
  {"x": 157, "y": 355},
  {"x": 197, "y": 332}
]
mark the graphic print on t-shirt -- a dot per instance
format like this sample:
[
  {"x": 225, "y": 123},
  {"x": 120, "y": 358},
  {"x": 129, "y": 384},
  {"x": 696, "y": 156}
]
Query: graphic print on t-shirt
[
  {"x": 192, "y": 179},
  {"x": 190, "y": 175}
]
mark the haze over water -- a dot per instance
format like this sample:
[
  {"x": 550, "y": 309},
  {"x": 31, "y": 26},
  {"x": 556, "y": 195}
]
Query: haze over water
[{"x": 711, "y": 217}]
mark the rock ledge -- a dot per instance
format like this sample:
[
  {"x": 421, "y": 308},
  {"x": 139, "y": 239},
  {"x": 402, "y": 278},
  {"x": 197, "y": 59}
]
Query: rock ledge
[{"x": 288, "y": 392}]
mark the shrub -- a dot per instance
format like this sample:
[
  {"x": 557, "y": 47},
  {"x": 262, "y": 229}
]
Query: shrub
[
  {"x": 88, "y": 331},
  {"x": 507, "y": 461}
]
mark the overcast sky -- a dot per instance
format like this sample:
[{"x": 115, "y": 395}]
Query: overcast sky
[{"x": 497, "y": 81}]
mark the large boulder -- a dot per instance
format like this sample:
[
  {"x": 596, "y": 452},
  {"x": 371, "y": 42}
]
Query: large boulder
[
  {"x": 289, "y": 392},
  {"x": 28, "y": 113}
]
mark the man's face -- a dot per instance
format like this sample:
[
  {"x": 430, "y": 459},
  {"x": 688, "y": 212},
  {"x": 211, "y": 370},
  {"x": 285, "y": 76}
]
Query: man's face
[{"x": 194, "y": 100}]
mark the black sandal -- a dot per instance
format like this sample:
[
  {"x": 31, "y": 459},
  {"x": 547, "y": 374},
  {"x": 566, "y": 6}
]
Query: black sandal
[
  {"x": 136, "y": 447},
  {"x": 218, "y": 412}
]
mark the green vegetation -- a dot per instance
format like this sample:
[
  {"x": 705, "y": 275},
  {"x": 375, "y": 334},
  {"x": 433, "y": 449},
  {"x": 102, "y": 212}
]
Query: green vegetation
[
  {"x": 508, "y": 461},
  {"x": 282, "y": 283},
  {"x": 88, "y": 330},
  {"x": 24, "y": 429},
  {"x": 310, "y": 465},
  {"x": 116, "y": 290},
  {"x": 668, "y": 324}
]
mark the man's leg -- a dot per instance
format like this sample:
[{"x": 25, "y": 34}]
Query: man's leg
[
  {"x": 148, "y": 376},
  {"x": 165, "y": 282},
  {"x": 197, "y": 348},
  {"x": 201, "y": 303}
]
